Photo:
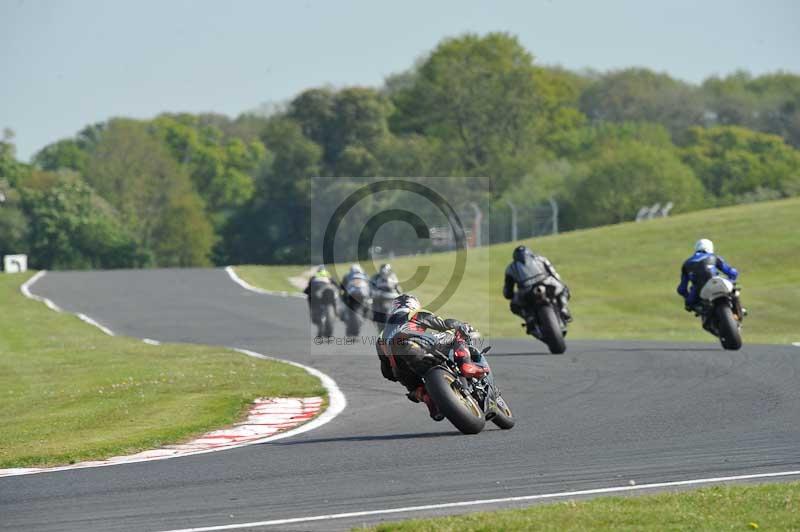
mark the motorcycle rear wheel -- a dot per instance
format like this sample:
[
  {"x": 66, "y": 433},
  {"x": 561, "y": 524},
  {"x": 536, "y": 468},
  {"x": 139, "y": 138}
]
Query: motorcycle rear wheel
[
  {"x": 461, "y": 409},
  {"x": 353, "y": 323},
  {"x": 729, "y": 335},
  {"x": 551, "y": 330},
  {"x": 326, "y": 327}
]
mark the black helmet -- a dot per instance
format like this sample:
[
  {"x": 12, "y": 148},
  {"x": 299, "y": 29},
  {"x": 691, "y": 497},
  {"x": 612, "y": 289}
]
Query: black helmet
[{"x": 520, "y": 252}]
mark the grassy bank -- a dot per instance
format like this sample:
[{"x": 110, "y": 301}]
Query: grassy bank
[
  {"x": 69, "y": 393},
  {"x": 271, "y": 278},
  {"x": 623, "y": 277},
  {"x": 763, "y": 507}
]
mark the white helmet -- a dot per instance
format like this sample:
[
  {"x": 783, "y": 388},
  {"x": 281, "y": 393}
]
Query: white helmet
[
  {"x": 705, "y": 245},
  {"x": 405, "y": 303},
  {"x": 356, "y": 268}
]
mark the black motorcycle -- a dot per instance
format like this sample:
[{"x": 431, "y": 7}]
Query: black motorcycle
[
  {"x": 467, "y": 396},
  {"x": 381, "y": 307},
  {"x": 356, "y": 305},
  {"x": 542, "y": 313},
  {"x": 322, "y": 300}
]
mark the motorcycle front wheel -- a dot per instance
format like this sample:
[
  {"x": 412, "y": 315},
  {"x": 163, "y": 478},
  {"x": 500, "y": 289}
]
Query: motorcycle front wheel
[
  {"x": 503, "y": 417},
  {"x": 460, "y": 408}
]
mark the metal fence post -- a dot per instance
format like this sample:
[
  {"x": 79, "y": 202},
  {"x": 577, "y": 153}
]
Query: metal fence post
[
  {"x": 476, "y": 224},
  {"x": 554, "y": 206},
  {"x": 513, "y": 220}
]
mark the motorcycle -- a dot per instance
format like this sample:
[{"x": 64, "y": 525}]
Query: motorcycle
[
  {"x": 721, "y": 311},
  {"x": 382, "y": 297},
  {"x": 467, "y": 396},
  {"x": 322, "y": 300},
  {"x": 357, "y": 304},
  {"x": 542, "y": 312}
]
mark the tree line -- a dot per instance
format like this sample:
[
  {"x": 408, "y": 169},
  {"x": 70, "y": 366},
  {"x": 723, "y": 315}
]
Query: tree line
[{"x": 200, "y": 189}]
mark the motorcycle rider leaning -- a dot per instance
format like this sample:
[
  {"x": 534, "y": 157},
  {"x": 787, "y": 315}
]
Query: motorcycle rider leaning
[
  {"x": 385, "y": 281},
  {"x": 526, "y": 270},
  {"x": 404, "y": 347},
  {"x": 318, "y": 281},
  {"x": 698, "y": 269},
  {"x": 355, "y": 272}
]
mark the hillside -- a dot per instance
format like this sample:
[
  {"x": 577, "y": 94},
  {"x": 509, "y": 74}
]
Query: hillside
[{"x": 623, "y": 277}]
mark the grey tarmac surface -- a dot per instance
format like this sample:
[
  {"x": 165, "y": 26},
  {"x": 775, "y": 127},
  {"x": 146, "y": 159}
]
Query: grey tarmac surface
[{"x": 603, "y": 414}]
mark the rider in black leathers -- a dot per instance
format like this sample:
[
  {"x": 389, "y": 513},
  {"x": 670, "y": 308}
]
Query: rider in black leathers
[
  {"x": 404, "y": 346},
  {"x": 385, "y": 281},
  {"x": 320, "y": 280},
  {"x": 527, "y": 270},
  {"x": 385, "y": 287}
]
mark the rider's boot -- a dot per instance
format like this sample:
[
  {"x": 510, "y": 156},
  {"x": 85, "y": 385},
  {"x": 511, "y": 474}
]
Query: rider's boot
[{"x": 420, "y": 395}]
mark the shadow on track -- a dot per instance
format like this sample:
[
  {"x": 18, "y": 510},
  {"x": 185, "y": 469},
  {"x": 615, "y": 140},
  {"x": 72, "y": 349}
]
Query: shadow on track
[
  {"x": 492, "y": 355},
  {"x": 382, "y": 437}
]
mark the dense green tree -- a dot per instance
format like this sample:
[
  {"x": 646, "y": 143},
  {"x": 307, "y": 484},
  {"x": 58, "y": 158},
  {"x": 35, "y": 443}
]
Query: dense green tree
[
  {"x": 65, "y": 154},
  {"x": 73, "y": 228},
  {"x": 354, "y": 118},
  {"x": 631, "y": 175},
  {"x": 135, "y": 172},
  {"x": 273, "y": 227},
  {"x": 590, "y": 141},
  {"x": 221, "y": 169},
  {"x": 732, "y": 161},
  {"x": 768, "y": 103},
  {"x": 13, "y": 222},
  {"x": 296, "y": 159},
  {"x": 313, "y": 111},
  {"x": 480, "y": 96},
  {"x": 11, "y": 171},
  {"x": 641, "y": 95}
]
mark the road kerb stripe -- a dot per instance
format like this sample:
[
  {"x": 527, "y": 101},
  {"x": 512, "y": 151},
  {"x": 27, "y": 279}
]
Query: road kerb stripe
[{"x": 524, "y": 498}]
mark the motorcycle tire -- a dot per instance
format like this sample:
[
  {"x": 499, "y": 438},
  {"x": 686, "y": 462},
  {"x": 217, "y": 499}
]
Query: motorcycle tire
[
  {"x": 461, "y": 409},
  {"x": 551, "y": 330},
  {"x": 729, "y": 335},
  {"x": 353, "y": 323},
  {"x": 503, "y": 417},
  {"x": 326, "y": 327}
]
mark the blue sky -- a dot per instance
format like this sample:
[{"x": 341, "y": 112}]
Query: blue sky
[{"x": 65, "y": 64}]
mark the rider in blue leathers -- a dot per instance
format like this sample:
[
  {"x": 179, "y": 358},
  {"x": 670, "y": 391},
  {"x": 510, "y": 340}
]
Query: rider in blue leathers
[{"x": 699, "y": 268}]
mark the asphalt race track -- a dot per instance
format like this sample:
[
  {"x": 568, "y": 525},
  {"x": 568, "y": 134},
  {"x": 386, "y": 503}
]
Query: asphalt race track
[{"x": 602, "y": 415}]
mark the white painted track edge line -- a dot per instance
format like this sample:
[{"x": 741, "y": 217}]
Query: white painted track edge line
[
  {"x": 477, "y": 502},
  {"x": 247, "y": 286},
  {"x": 91, "y": 321},
  {"x": 25, "y": 288}
]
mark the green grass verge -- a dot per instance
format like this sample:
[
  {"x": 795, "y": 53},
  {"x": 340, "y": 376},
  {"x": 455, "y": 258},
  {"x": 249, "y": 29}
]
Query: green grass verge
[
  {"x": 69, "y": 393},
  {"x": 271, "y": 278},
  {"x": 623, "y": 277},
  {"x": 765, "y": 507}
]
